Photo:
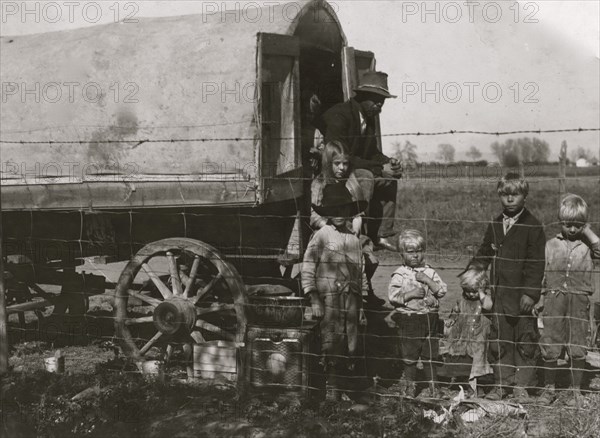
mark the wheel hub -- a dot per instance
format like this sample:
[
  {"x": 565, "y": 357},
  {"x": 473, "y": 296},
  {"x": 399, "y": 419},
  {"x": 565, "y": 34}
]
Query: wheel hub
[{"x": 174, "y": 315}]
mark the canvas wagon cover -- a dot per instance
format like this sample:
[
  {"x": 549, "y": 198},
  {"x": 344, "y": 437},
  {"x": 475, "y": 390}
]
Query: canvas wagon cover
[{"x": 187, "y": 77}]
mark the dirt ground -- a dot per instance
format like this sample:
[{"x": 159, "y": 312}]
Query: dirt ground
[{"x": 100, "y": 395}]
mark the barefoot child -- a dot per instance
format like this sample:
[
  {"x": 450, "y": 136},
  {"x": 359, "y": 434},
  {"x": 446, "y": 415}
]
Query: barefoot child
[
  {"x": 468, "y": 332},
  {"x": 414, "y": 291},
  {"x": 565, "y": 301},
  {"x": 332, "y": 275}
]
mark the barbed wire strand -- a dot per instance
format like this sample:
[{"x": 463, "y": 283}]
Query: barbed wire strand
[{"x": 252, "y": 139}]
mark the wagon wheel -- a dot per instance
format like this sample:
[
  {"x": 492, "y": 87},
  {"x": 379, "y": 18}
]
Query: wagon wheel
[{"x": 180, "y": 308}]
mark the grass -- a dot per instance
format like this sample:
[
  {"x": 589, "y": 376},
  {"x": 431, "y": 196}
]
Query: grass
[{"x": 453, "y": 214}]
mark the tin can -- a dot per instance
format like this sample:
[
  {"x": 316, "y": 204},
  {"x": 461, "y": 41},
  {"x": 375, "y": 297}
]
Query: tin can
[
  {"x": 153, "y": 370},
  {"x": 55, "y": 364}
]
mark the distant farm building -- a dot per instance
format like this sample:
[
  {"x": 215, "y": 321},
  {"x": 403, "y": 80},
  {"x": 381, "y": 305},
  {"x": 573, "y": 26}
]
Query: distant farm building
[{"x": 582, "y": 162}]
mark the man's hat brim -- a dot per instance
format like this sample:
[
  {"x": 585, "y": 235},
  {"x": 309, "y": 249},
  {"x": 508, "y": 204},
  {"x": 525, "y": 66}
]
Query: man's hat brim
[
  {"x": 376, "y": 90},
  {"x": 349, "y": 209}
]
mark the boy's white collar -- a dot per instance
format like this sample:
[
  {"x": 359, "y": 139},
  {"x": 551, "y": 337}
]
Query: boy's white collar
[{"x": 515, "y": 217}]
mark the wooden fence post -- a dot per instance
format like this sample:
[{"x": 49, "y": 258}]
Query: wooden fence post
[
  {"x": 562, "y": 169},
  {"x": 521, "y": 163}
]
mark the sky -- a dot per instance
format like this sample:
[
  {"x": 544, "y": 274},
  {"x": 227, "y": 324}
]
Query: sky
[{"x": 483, "y": 66}]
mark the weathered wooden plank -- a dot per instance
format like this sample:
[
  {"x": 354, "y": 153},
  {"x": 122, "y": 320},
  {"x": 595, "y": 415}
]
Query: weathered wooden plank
[
  {"x": 117, "y": 195},
  {"x": 30, "y": 305}
]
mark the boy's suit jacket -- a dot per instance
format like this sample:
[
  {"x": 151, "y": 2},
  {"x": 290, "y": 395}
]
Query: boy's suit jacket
[
  {"x": 342, "y": 122},
  {"x": 517, "y": 261}
]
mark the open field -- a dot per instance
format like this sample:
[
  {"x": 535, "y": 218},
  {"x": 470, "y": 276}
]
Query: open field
[
  {"x": 453, "y": 213},
  {"x": 492, "y": 171}
]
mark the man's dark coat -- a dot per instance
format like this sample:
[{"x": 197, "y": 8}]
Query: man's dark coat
[{"x": 342, "y": 122}]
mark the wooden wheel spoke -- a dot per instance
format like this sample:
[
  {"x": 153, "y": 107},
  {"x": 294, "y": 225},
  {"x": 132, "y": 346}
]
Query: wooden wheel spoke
[
  {"x": 145, "y": 298},
  {"x": 41, "y": 292},
  {"x": 150, "y": 343},
  {"x": 197, "y": 337},
  {"x": 215, "y": 308},
  {"x": 207, "y": 288},
  {"x": 188, "y": 354},
  {"x": 140, "y": 320},
  {"x": 174, "y": 271},
  {"x": 214, "y": 329},
  {"x": 184, "y": 278},
  {"x": 168, "y": 352},
  {"x": 192, "y": 278},
  {"x": 162, "y": 288}
]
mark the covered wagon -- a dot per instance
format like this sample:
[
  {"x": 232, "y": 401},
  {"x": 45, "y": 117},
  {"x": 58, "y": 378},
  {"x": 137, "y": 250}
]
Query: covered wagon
[{"x": 179, "y": 145}]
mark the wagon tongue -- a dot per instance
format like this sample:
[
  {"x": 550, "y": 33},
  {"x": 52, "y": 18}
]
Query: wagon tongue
[{"x": 175, "y": 315}]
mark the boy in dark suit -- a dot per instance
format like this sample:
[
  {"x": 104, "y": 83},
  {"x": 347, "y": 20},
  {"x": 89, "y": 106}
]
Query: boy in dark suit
[{"x": 513, "y": 246}]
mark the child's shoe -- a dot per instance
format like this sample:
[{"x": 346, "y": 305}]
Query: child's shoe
[
  {"x": 547, "y": 396},
  {"x": 575, "y": 398},
  {"x": 496, "y": 394},
  {"x": 520, "y": 395},
  {"x": 480, "y": 392}
]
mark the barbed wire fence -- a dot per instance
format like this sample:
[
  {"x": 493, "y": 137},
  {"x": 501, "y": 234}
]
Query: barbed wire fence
[{"x": 97, "y": 326}]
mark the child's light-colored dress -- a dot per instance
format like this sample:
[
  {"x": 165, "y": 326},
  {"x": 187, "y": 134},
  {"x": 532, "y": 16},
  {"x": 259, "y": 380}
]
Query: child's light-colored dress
[
  {"x": 333, "y": 265},
  {"x": 467, "y": 340}
]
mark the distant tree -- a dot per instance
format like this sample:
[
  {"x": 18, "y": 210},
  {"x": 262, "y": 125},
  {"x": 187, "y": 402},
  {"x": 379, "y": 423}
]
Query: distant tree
[
  {"x": 446, "y": 152},
  {"x": 406, "y": 153},
  {"x": 582, "y": 153},
  {"x": 541, "y": 151},
  {"x": 506, "y": 152},
  {"x": 523, "y": 150},
  {"x": 473, "y": 153}
]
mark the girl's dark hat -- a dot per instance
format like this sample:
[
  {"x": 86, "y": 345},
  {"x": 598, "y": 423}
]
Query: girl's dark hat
[
  {"x": 375, "y": 82},
  {"x": 338, "y": 202}
]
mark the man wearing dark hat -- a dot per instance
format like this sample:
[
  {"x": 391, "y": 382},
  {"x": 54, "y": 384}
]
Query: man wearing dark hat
[{"x": 353, "y": 122}]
